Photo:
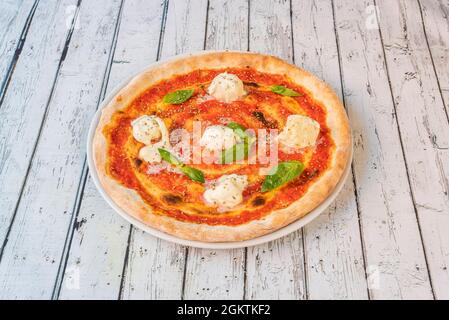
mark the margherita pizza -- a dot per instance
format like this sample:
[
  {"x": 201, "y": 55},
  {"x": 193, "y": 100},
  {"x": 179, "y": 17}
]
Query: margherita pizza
[{"x": 221, "y": 146}]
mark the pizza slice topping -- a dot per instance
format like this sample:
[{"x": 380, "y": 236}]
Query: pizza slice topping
[
  {"x": 218, "y": 137},
  {"x": 192, "y": 173},
  {"x": 226, "y": 87},
  {"x": 284, "y": 91},
  {"x": 150, "y": 154},
  {"x": 226, "y": 192},
  {"x": 146, "y": 129},
  {"x": 281, "y": 174},
  {"x": 178, "y": 97},
  {"x": 299, "y": 132}
]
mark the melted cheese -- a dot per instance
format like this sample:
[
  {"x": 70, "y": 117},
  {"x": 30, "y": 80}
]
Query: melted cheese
[
  {"x": 146, "y": 129},
  {"x": 218, "y": 137},
  {"x": 226, "y": 193},
  {"x": 226, "y": 87},
  {"x": 299, "y": 132},
  {"x": 150, "y": 154}
]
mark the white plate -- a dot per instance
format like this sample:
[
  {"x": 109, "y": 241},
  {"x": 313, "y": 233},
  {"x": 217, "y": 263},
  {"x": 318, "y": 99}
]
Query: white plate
[{"x": 199, "y": 244}]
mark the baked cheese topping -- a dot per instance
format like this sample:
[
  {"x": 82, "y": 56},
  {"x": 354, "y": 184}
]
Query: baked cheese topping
[
  {"x": 150, "y": 154},
  {"x": 226, "y": 87},
  {"x": 226, "y": 193},
  {"x": 146, "y": 129},
  {"x": 218, "y": 137},
  {"x": 299, "y": 132}
]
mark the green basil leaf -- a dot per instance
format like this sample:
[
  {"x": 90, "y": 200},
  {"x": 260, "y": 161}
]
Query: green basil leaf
[
  {"x": 167, "y": 156},
  {"x": 237, "y": 152},
  {"x": 179, "y": 96},
  {"x": 235, "y": 125},
  {"x": 240, "y": 150},
  {"x": 284, "y": 91},
  {"x": 238, "y": 129},
  {"x": 192, "y": 173},
  {"x": 281, "y": 174}
]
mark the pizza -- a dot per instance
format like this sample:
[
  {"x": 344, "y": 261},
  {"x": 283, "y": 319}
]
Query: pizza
[{"x": 221, "y": 146}]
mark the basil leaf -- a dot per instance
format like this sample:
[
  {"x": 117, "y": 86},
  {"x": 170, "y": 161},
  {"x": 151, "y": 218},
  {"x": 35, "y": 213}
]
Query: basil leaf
[
  {"x": 235, "y": 125},
  {"x": 192, "y": 173},
  {"x": 239, "y": 151},
  {"x": 238, "y": 129},
  {"x": 281, "y": 174},
  {"x": 179, "y": 96},
  {"x": 167, "y": 156},
  {"x": 285, "y": 91},
  {"x": 236, "y": 153}
]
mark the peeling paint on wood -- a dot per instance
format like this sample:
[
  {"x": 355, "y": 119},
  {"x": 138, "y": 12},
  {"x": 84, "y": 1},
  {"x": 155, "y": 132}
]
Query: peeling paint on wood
[
  {"x": 332, "y": 243},
  {"x": 36, "y": 241},
  {"x": 99, "y": 248},
  {"x": 424, "y": 130}
]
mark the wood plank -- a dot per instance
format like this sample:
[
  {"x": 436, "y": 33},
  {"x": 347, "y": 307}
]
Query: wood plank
[
  {"x": 100, "y": 241},
  {"x": 274, "y": 270},
  {"x": 435, "y": 16},
  {"x": 227, "y": 26},
  {"x": 15, "y": 18},
  {"x": 37, "y": 238},
  {"x": 334, "y": 257},
  {"x": 25, "y": 103},
  {"x": 219, "y": 274},
  {"x": 155, "y": 268},
  {"x": 395, "y": 260},
  {"x": 424, "y": 130}
]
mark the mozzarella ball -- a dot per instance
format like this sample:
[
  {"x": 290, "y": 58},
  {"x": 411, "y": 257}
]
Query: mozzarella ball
[
  {"x": 226, "y": 87},
  {"x": 227, "y": 192},
  {"x": 218, "y": 137},
  {"x": 299, "y": 132},
  {"x": 146, "y": 129},
  {"x": 150, "y": 154}
]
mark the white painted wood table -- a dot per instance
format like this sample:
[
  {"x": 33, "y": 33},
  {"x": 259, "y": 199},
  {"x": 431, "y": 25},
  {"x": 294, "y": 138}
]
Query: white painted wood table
[{"x": 385, "y": 237}]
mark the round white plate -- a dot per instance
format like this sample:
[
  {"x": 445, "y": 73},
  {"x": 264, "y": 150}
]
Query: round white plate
[{"x": 199, "y": 244}]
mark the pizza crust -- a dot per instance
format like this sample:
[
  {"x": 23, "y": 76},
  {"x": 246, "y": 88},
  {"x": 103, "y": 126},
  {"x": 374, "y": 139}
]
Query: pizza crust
[{"x": 130, "y": 201}]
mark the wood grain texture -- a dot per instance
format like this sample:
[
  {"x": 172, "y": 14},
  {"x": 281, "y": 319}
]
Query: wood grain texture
[
  {"x": 155, "y": 268},
  {"x": 333, "y": 249},
  {"x": 435, "y": 16},
  {"x": 15, "y": 17},
  {"x": 219, "y": 274},
  {"x": 385, "y": 237},
  {"x": 395, "y": 261},
  {"x": 36, "y": 241},
  {"x": 274, "y": 270},
  {"x": 424, "y": 129},
  {"x": 100, "y": 240},
  {"x": 25, "y": 103}
]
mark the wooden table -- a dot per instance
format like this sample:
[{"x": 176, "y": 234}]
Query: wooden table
[{"x": 387, "y": 235}]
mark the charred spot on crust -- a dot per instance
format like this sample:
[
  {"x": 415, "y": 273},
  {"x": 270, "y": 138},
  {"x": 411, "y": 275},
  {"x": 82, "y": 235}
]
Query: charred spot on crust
[
  {"x": 137, "y": 162},
  {"x": 251, "y": 84},
  {"x": 258, "y": 201},
  {"x": 171, "y": 198},
  {"x": 261, "y": 117}
]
